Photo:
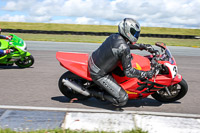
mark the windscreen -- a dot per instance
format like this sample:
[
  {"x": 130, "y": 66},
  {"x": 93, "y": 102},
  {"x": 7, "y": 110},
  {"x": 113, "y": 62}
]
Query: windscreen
[{"x": 167, "y": 56}]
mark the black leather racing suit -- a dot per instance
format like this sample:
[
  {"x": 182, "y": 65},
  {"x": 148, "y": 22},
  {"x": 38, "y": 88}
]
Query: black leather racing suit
[{"x": 105, "y": 59}]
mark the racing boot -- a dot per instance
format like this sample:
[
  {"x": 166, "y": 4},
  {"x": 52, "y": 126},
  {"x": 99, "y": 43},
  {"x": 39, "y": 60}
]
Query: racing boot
[
  {"x": 97, "y": 94},
  {"x": 103, "y": 97}
]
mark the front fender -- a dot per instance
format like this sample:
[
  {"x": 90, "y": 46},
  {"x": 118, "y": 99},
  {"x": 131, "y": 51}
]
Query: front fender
[
  {"x": 177, "y": 79},
  {"x": 27, "y": 54}
]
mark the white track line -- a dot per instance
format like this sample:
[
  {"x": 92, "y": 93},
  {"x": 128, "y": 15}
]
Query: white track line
[{"x": 99, "y": 111}]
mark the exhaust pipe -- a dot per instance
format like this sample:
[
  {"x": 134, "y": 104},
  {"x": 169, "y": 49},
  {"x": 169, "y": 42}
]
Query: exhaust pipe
[{"x": 76, "y": 87}]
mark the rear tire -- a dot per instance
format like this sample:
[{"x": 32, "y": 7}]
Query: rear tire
[
  {"x": 178, "y": 91},
  {"x": 68, "y": 92}
]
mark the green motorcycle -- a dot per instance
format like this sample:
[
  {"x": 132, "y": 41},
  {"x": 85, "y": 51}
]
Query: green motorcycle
[{"x": 19, "y": 56}]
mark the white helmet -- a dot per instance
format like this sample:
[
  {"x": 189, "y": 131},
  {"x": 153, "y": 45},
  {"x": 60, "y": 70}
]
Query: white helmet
[{"x": 130, "y": 29}]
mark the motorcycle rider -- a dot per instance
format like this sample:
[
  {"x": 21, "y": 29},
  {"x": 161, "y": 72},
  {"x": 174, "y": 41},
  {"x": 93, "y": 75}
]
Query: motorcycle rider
[
  {"x": 3, "y": 52},
  {"x": 115, "y": 49}
]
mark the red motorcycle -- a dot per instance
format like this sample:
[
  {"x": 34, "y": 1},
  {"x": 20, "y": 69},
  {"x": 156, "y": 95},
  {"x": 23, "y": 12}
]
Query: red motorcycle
[{"x": 165, "y": 86}]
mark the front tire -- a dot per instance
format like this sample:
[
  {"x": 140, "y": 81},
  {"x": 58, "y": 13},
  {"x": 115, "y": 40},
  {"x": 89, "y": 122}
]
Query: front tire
[
  {"x": 177, "y": 91},
  {"x": 68, "y": 92},
  {"x": 27, "y": 62}
]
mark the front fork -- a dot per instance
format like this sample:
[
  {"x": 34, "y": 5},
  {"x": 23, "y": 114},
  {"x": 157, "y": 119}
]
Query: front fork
[{"x": 168, "y": 92}]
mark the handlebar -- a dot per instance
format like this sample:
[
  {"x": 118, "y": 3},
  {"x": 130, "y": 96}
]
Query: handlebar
[{"x": 155, "y": 66}]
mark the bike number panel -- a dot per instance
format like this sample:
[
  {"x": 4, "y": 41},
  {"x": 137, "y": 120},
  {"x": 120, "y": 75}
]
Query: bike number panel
[{"x": 173, "y": 69}]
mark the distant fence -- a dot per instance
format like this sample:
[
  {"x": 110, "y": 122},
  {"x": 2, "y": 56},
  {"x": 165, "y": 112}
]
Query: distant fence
[{"x": 96, "y": 33}]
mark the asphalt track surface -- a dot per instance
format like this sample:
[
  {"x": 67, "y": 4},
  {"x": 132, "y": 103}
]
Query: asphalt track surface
[{"x": 37, "y": 86}]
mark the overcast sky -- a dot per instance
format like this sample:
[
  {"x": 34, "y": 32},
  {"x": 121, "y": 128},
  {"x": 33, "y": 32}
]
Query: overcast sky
[{"x": 149, "y": 13}]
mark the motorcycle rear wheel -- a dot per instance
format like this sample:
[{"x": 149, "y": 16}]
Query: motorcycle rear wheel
[
  {"x": 177, "y": 91},
  {"x": 27, "y": 62},
  {"x": 68, "y": 92}
]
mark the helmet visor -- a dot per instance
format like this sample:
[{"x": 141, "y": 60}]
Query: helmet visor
[{"x": 135, "y": 33}]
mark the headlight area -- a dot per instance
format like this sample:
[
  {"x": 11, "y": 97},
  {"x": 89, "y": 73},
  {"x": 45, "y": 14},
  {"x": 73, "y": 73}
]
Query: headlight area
[{"x": 164, "y": 70}]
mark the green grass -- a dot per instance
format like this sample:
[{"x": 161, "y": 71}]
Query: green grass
[
  {"x": 93, "y": 28},
  {"x": 58, "y": 27},
  {"x": 60, "y": 38},
  {"x": 171, "y": 41},
  {"x": 100, "y": 39},
  {"x": 99, "y": 28},
  {"x": 171, "y": 31},
  {"x": 65, "y": 131}
]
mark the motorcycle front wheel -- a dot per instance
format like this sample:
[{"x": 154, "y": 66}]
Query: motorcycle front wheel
[
  {"x": 171, "y": 93},
  {"x": 68, "y": 92},
  {"x": 27, "y": 62}
]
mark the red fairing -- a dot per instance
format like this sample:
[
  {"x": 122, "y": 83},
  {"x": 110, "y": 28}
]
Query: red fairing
[
  {"x": 139, "y": 63},
  {"x": 75, "y": 62},
  {"x": 131, "y": 84},
  {"x": 163, "y": 80}
]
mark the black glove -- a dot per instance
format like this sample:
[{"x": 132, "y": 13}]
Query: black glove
[
  {"x": 155, "y": 52},
  {"x": 149, "y": 74},
  {"x": 149, "y": 48},
  {"x": 142, "y": 46},
  {"x": 146, "y": 74}
]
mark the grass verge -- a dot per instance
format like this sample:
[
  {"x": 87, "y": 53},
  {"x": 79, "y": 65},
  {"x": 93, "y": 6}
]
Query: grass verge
[
  {"x": 94, "y": 28},
  {"x": 99, "y": 39},
  {"x": 172, "y": 41},
  {"x": 65, "y": 131}
]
